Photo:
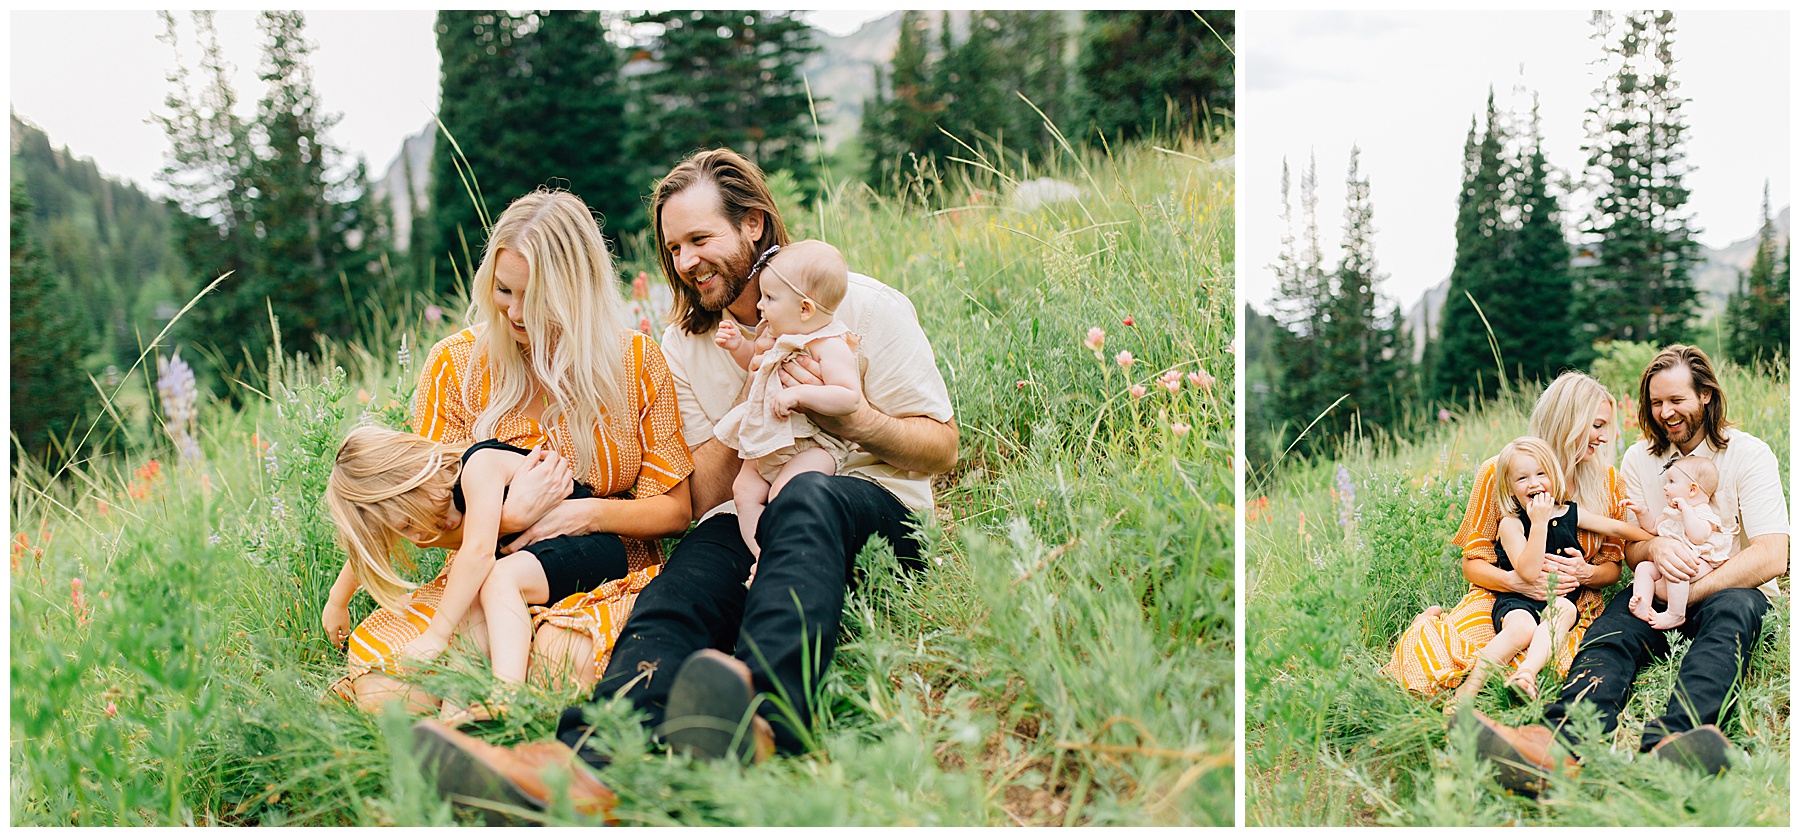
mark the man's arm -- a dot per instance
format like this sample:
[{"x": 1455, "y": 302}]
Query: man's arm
[
  {"x": 1765, "y": 558},
  {"x": 914, "y": 443},
  {"x": 715, "y": 465}
]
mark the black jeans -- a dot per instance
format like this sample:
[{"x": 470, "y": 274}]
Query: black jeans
[
  {"x": 784, "y": 627},
  {"x": 1724, "y": 628}
]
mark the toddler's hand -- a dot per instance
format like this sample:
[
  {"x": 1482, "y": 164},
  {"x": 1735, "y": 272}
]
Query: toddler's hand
[
  {"x": 336, "y": 621},
  {"x": 1540, "y": 507},
  {"x": 784, "y": 403},
  {"x": 424, "y": 649}
]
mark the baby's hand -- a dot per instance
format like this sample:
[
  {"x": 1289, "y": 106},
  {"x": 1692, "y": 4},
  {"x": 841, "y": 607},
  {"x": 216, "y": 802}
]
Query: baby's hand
[
  {"x": 1632, "y": 506},
  {"x": 784, "y": 403},
  {"x": 1679, "y": 503},
  {"x": 728, "y": 336}
]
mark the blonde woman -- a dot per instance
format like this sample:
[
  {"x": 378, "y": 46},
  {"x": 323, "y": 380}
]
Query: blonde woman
[
  {"x": 1575, "y": 417},
  {"x": 545, "y": 364}
]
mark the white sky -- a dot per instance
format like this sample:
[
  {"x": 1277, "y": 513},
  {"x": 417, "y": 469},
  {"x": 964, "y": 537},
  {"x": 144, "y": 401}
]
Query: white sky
[
  {"x": 1404, "y": 86},
  {"x": 91, "y": 79}
]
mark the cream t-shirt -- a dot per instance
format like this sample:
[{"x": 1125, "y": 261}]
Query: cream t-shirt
[
  {"x": 901, "y": 379},
  {"x": 1749, "y": 487}
]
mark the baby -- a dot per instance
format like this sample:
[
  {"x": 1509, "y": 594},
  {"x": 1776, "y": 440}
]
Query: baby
[
  {"x": 1689, "y": 518},
  {"x": 802, "y": 284}
]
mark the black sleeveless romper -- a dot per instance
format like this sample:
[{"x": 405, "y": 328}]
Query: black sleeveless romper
[
  {"x": 572, "y": 563},
  {"x": 1561, "y": 536}
]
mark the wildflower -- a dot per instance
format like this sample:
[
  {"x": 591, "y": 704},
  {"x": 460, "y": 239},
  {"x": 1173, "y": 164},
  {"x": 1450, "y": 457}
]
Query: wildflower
[
  {"x": 1129, "y": 322},
  {"x": 103, "y": 508},
  {"x": 176, "y": 389},
  {"x": 363, "y": 396},
  {"x": 213, "y": 538},
  {"x": 1303, "y": 534},
  {"x": 1138, "y": 391},
  {"x": 1201, "y": 379},
  {"x": 1171, "y": 381},
  {"x": 644, "y": 325},
  {"x": 640, "y": 286},
  {"x": 149, "y": 471},
  {"x": 138, "y": 491},
  {"x": 1232, "y": 347},
  {"x": 1096, "y": 338},
  {"x": 1443, "y": 414},
  {"x": 1179, "y": 428},
  {"x": 403, "y": 357},
  {"x": 112, "y": 710},
  {"x": 80, "y": 601},
  {"x": 1024, "y": 384},
  {"x": 434, "y": 314},
  {"x": 1125, "y": 360},
  {"x": 278, "y": 510},
  {"x": 1346, "y": 492},
  {"x": 1257, "y": 509}
]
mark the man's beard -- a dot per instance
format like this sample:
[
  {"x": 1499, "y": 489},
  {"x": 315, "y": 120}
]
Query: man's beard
[{"x": 733, "y": 276}]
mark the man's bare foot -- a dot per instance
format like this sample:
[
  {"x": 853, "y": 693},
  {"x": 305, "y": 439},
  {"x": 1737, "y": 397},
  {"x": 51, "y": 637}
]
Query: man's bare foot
[
  {"x": 1525, "y": 683},
  {"x": 1641, "y": 607},
  {"x": 1665, "y": 620}
]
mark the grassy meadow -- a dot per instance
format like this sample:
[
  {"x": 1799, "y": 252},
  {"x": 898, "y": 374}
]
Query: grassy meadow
[
  {"x": 1342, "y": 554},
  {"x": 1065, "y": 659}
]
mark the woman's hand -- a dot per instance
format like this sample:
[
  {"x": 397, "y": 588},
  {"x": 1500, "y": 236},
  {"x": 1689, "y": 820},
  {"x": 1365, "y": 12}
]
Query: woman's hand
[
  {"x": 1571, "y": 570},
  {"x": 562, "y": 519},
  {"x": 542, "y": 481},
  {"x": 1517, "y": 584},
  {"x": 336, "y": 621}
]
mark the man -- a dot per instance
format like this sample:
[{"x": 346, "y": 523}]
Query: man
[
  {"x": 1682, "y": 412},
  {"x": 700, "y": 650}
]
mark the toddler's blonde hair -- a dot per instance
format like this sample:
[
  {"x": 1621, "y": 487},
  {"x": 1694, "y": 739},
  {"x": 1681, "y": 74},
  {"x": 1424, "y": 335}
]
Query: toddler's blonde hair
[
  {"x": 384, "y": 479},
  {"x": 1538, "y": 450}
]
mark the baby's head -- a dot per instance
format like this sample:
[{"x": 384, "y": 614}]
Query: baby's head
[
  {"x": 801, "y": 287},
  {"x": 386, "y": 485},
  {"x": 1526, "y": 467},
  {"x": 1691, "y": 478}
]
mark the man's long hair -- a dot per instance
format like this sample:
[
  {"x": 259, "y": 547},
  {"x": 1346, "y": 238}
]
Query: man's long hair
[
  {"x": 742, "y": 189},
  {"x": 1712, "y": 416}
]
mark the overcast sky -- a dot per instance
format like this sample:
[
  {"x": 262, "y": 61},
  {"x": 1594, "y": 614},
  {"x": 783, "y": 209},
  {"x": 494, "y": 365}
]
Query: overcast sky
[
  {"x": 92, "y": 79},
  {"x": 1404, "y": 86}
]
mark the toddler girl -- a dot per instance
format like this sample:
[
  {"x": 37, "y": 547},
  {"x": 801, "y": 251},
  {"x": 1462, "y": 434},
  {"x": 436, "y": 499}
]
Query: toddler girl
[
  {"x": 1542, "y": 524},
  {"x": 1689, "y": 518},
  {"x": 801, "y": 285},
  {"x": 387, "y": 485}
]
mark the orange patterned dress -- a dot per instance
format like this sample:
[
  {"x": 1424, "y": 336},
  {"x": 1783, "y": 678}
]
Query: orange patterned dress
[
  {"x": 645, "y": 464},
  {"x": 1434, "y": 655}
]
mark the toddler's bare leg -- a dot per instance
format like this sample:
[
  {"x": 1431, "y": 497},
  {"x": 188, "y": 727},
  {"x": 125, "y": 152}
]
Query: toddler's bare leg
[
  {"x": 559, "y": 655},
  {"x": 1643, "y": 590},
  {"x": 750, "y": 492},
  {"x": 1559, "y": 617},
  {"x": 811, "y": 459},
  {"x": 514, "y": 583},
  {"x": 1515, "y": 633}
]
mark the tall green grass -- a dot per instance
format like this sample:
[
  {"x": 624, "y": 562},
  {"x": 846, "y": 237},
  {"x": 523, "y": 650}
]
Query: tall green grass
[
  {"x": 1333, "y": 742},
  {"x": 1066, "y": 657}
]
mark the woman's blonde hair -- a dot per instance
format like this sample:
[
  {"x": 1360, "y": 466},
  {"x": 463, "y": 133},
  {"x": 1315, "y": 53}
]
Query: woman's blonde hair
[
  {"x": 1563, "y": 419},
  {"x": 383, "y": 479},
  {"x": 1546, "y": 459},
  {"x": 573, "y": 314}
]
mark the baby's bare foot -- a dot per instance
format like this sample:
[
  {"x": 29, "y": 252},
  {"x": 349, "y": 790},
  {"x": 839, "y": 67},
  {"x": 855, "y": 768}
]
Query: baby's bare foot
[
  {"x": 1665, "y": 620},
  {"x": 1640, "y": 607}
]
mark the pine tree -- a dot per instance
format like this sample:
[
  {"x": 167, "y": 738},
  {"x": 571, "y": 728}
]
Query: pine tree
[
  {"x": 1641, "y": 288},
  {"x": 1757, "y": 313},
  {"x": 900, "y": 118},
  {"x": 1534, "y": 327},
  {"x": 1362, "y": 347},
  {"x": 528, "y": 100},
  {"x": 49, "y": 391},
  {"x": 1465, "y": 359},
  {"x": 1146, "y": 72},
  {"x": 1303, "y": 307},
  {"x": 726, "y": 79}
]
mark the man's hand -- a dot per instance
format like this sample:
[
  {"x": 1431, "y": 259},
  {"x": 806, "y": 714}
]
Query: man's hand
[
  {"x": 542, "y": 481},
  {"x": 1674, "y": 559}
]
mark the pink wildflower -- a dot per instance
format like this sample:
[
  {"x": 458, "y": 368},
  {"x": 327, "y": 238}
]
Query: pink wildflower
[
  {"x": 1125, "y": 360},
  {"x": 79, "y": 600},
  {"x": 112, "y": 710},
  {"x": 1179, "y": 428},
  {"x": 1096, "y": 338},
  {"x": 1201, "y": 378},
  {"x": 1171, "y": 381},
  {"x": 1024, "y": 384},
  {"x": 1443, "y": 415},
  {"x": 1138, "y": 391},
  {"x": 640, "y": 286},
  {"x": 1128, "y": 321},
  {"x": 434, "y": 314}
]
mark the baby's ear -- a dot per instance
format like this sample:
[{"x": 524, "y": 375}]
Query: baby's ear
[{"x": 806, "y": 308}]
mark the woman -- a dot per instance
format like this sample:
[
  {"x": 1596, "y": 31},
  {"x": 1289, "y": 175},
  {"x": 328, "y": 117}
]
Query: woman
[
  {"x": 1575, "y": 416},
  {"x": 546, "y": 361}
]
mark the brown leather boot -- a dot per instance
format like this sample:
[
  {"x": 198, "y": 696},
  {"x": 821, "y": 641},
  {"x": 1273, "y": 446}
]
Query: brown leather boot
[
  {"x": 472, "y": 773},
  {"x": 1702, "y": 748},
  {"x": 1522, "y": 754},
  {"x": 708, "y": 701}
]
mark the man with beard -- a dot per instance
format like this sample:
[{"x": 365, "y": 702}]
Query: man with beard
[
  {"x": 1682, "y": 412},
  {"x": 721, "y": 670}
]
